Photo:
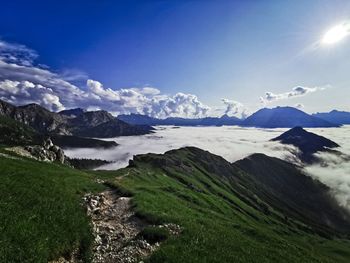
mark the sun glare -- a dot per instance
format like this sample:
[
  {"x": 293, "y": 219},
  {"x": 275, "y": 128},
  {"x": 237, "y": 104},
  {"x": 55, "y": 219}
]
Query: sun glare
[{"x": 336, "y": 34}]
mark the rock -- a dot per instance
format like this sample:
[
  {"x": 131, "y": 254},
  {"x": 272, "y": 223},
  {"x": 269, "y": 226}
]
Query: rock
[
  {"x": 117, "y": 229},
  {"x": 47, "y": 144}
]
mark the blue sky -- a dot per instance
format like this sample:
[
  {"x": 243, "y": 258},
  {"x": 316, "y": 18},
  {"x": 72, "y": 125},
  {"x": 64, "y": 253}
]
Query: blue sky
[{"x": 236, "y": 50}]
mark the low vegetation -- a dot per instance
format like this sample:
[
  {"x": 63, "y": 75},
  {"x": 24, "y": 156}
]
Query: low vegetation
[
  {"x": 41, "y": 215},
  {"x": 219, "y": 224},
  {"x": 221, "y": 220}
]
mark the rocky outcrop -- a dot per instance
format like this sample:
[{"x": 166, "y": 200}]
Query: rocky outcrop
[
  {"x": 47, "y": 152},
  {"x": 307, "y": 142}
]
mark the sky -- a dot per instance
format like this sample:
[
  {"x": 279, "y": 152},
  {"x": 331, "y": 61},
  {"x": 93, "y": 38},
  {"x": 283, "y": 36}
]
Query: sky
[{"x": 175, "y": 58}]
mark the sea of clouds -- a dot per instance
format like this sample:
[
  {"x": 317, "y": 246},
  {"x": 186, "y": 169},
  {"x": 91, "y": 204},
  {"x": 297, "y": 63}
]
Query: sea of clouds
[
  {"x": 234, "y": 143},
  {"x": 334, "y": 169}
]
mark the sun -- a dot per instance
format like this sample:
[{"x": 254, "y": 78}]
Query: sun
[{"x": 336, "y": 34}]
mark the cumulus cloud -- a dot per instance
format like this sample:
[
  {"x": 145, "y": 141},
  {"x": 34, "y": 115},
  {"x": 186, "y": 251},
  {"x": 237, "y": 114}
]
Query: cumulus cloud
[
  {"x": 235, "y": 108},
  {"x": 25, "y": 92},
  {"x": 24, "y": 82},
  {"x": 147, "y": 100},
  {"x": 295, "y": 92}
]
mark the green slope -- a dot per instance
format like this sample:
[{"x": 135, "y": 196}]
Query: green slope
[
  {"x": 41, "y": 217},
  {"x": 223, "y": 220}
]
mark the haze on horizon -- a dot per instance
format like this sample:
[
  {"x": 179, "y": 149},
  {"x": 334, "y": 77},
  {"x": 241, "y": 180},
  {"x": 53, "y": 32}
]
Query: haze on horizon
[{"x": 176, "y": 58}]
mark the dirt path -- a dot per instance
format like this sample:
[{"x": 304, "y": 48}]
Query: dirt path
[{"x": 116, "y": 229}]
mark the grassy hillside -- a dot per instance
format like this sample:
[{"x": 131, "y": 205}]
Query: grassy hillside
[
  {"x": 223, "y": 220},
  {"x": 41, "y": 217}
]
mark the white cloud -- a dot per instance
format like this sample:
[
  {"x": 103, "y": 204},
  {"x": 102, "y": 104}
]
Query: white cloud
[
  {"x": 334, "y": 169},
  {"x": 295, "y": 92},
  {"x": 55, "y": 91},
  {"x": 235, "y": 108},
  {"x": 15, "y": 53},
  {"x": 25, "y": 92},
  {"x": 233, "y": 143}
]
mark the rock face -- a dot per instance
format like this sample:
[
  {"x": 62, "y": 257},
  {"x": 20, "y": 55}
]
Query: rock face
[
  {"x": 307, "y": 142},
  {"x": 37, "y": 117},
  {"x": 88, "y": 124},
  {"x": 284, "y": 117}
]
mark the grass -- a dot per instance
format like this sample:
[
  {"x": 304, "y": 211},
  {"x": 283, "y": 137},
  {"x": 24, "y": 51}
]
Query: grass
[
  {"x": 41, "y": 215},
  {"x": 42, "y": 218},
  {"x": 218, "y": 225}
]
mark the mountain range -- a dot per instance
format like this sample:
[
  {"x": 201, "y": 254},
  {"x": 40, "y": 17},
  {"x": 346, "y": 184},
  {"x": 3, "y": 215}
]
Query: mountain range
[
  {"x": 98, "y": 124},
  {"x": 334, "y": 116},
  {"x": 285, "y": 117},
  {"x": 138, "y": 119},
  {"x": 279, "y": 117},
  {"x": 101, "y": 124}
]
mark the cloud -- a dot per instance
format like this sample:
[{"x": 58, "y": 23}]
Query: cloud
[
  {"x": 334, "y": 169},
  {"x": 295, "y": 92},
  {"x": 16, "y": 53},
  {"x": 233, "y": 143},
  {"x": 22, "y": 81},
  {"x": 25, "y": 92},
  {"x": 147, "y": 100},
  {"x": 235, "y": 108}
]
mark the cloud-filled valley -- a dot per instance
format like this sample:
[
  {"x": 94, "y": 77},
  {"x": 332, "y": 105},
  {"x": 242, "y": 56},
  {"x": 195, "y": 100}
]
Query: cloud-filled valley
[{"x": 234, "y": 143}]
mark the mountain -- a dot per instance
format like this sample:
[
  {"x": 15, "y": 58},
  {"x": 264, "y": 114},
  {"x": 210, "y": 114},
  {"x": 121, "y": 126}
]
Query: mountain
[
  {"x": 14, "y": 133},
  {"x": 338, "y": 117},
  {"x": 307, "y": 142},
  {"x": 284, "y": 117},
  {"x": 138, "y": 119},
  {"x": 258, "y": 209},
  {"x": 114, "y": 128},
  {"x": 37, "y": 117},
  {"x": 97, "y": 124},
  {"x": 277, "y": 183},
  {"x": 262, "y": 208},
  {"x": 288, "y": 190},
  {"x": 72, "y": 112}
]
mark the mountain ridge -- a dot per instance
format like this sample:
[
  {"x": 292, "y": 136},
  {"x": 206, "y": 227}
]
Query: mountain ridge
[
  {"x": 284, "y": 117},
  {"x": 97, "y": 124},
  {"x": 334, "y": 116}
]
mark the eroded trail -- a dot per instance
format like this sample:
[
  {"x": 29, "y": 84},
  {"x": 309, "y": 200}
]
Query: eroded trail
[{"x": 116, "y": 229}]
